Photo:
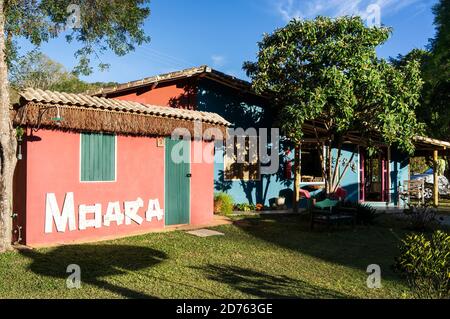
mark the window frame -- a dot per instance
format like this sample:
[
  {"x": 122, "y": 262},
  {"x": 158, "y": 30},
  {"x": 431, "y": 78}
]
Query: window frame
[
  {"x": 227, "y": 161},
  {"x": 324, "y": 152},
  {"x": 80, "y": 160}
]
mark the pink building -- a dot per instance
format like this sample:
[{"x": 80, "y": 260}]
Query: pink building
[{"x": 93, "y": 168}]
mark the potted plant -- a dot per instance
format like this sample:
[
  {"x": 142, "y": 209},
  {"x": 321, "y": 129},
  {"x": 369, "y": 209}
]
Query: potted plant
[{"x": 281, "y": 201}]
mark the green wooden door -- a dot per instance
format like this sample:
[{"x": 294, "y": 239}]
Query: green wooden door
[{"x": 177, "y": 192}]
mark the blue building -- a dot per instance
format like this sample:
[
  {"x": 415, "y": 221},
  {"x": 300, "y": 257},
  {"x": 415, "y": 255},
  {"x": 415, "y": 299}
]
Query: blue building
[{"x": 377, "y": 180}]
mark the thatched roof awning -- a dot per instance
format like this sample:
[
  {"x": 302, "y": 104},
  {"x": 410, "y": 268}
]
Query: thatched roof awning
[{"x": 87, "y": 113}]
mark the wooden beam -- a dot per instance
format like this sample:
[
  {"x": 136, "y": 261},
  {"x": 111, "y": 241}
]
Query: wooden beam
[
  {"x": 313, "y": 140},
  {"x": 297, "y": 177},
  {"x": 436, "y": 178}
]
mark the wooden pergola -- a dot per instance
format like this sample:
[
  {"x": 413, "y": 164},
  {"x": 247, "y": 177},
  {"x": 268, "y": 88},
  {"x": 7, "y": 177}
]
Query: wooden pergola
[{"x": 426, "y": 146}]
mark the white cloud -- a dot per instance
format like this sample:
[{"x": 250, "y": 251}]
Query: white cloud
[
  {"x": 287, "y": 10},
  {"x": 306, "y": 9},
  {"x": 218, "y": 61}
]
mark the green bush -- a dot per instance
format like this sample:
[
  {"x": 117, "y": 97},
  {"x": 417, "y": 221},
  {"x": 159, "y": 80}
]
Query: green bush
[
  {"x": 421, "y": 217},
  {"x": 245, "y": 207},
  {"x": 223, "y": 204},
  {"x": 365, "y": 214},
  {"x": 426, "y": 264}
]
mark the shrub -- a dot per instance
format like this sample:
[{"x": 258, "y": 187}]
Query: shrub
[
  {"x": 365, "y": 214},
  {"x": 422, "y": 218},
  {"x": 245, "y": 207},
  {"x": 223, "y": 204},
  {"x": 426, "y": 264}
]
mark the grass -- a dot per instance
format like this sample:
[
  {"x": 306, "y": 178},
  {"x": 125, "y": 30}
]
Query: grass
[{"x": 271, "y": 257}]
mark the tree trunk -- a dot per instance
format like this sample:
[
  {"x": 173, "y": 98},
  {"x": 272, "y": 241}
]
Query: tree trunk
[
  {"x": 297, "y": 179},
  {"x": 329, "y": 177},
  {"x": 7, "y": 146}
]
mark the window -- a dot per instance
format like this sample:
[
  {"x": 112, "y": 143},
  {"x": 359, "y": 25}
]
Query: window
[
  {"x": 247, "y": 170},
  {"x": 311, "y": 164},
  {"x": 98, "y": 157}
]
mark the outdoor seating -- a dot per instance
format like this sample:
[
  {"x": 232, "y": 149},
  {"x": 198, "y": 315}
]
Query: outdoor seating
[
  {"x": 415, "y": 189},
  {"x": 331, "y": 212},
  {"x": 304, "y": 194}
]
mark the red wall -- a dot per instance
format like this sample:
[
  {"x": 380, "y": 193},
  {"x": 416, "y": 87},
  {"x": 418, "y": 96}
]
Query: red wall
[
  {"x": 179, "y": 95},
  {"x": 53, "y": 166},
  {"x": 202, "y": 184}
]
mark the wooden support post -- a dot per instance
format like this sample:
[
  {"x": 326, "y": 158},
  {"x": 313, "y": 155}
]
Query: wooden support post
[
  {"x": 297, "y": 178},
  {"x": 436, "y": 178}
]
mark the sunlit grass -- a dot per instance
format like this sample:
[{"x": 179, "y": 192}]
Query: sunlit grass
[{"x": 257, "y": 258}]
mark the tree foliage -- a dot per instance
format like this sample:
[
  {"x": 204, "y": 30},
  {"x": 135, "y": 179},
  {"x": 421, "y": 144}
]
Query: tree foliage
[
  {"x": 328, "y": 69},
  {"x": 439, "y": 66},
  {"x": 100, "y": 25},
  {"x": 95, "y": 25},
  {"x": 434, "y": 109},
  {"x": 38, "y": 71}
]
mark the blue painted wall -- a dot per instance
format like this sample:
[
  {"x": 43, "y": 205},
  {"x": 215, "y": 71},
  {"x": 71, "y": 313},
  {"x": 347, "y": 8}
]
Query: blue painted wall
[
  {"x": 351, "y": 178},
  {"x": 399, "y": 174},
  {"x": 245, "y": 111},
  {"x": 251, "y": 192}
]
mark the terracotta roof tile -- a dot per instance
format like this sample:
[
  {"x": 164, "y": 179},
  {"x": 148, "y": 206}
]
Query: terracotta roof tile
[{"x": 86, "y": 101}]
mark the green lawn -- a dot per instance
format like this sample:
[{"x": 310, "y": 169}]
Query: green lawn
[{"x": 257, "y": 258}]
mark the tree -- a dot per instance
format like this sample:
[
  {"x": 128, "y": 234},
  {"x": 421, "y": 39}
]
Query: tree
[
  {"x": 72, "y": 84},
  {"x": 434, "y": 107},
  {"x": 35, "y": 70},
  {"x": 439, "y": 66},
  {"x": 97, "y": 25},
  {"x": 326, "y": 71},
  {"x": 38, "y": 71}
]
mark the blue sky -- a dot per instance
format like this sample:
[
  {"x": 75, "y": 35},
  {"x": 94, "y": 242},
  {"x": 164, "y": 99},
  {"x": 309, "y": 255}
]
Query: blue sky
[{"x": 224, "y": 34}]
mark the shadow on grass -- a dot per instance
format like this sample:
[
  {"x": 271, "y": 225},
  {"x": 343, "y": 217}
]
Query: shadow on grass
[
  {"x": 96, "y": 262},
  {"x": 262, "y": 285},
  {"x": 357, "y": 248}
]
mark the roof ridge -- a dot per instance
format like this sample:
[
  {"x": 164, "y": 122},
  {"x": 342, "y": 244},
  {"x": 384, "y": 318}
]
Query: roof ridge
[{"x": 186, "y": 73}]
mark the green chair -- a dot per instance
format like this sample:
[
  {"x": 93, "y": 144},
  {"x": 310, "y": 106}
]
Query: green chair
[
  {"x": 326, "y": 204},
  {"x": 329, "y": 212}
]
